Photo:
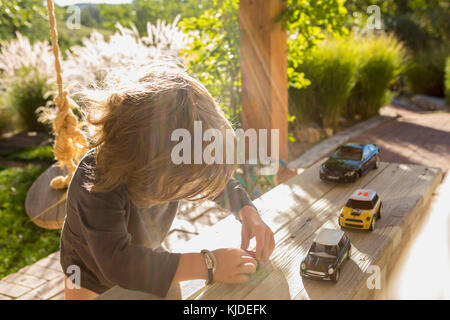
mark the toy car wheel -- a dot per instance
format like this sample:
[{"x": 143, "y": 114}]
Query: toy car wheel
[
  {"x": 377, "y": 162},
  {"x": 379, "y": 212},
  {"x": 336, "y": 275},
  {"x": 349, "y": 252},
  {"x": 357, "y": 176},
  {"x": 372, "y": 225}
]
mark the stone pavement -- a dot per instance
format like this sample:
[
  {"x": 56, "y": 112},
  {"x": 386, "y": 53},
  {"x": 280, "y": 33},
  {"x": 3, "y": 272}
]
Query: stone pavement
[
  {"x": 414, "y": 138},
  {"x": 42, "y": 280}
]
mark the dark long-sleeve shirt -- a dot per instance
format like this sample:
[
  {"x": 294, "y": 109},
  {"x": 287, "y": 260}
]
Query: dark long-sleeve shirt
[{"x": 113, "y": 242}]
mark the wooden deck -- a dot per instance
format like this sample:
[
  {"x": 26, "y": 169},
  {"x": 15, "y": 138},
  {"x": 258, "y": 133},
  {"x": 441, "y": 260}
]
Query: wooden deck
[{"x": 295, "y": 211}]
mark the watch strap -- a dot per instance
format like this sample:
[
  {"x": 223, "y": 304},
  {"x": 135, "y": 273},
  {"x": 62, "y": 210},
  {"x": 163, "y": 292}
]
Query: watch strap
[{"x": 210, "y": 261}]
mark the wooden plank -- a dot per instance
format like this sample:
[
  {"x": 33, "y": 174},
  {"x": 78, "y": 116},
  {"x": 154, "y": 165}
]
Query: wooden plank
[
  {"x": 264, "y": 68},
  {"x": 367, "y": 247},
  {"x": 405, "y": 192}
]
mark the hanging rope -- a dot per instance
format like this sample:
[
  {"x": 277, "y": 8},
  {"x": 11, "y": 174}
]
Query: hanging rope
[{"x": 70, "y": 142}]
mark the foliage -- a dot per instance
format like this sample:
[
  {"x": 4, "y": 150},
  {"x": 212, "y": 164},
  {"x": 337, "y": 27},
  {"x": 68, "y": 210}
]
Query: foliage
[
  {"x": 6, "y": 118},
  {"x": 19, "y": 16},
  {"x": 167, "y": 10},
  {"x": 21, "y": 242},
  {"x": 418, "y": 23},
  {"x": 20, "y": 52},
  {"x": 308, "y": 23},
  {"x": 426, "y": 72},
  {"x": 349, "y": 77},
  {"x": 381, "y": 61},
  {"x": 90, "y": 15},
  {"x": 40, "y": 153},
  {"x": 332, "y": 70},
  {"x": 90, "y": 63},
  {"x": 424, "y": 28},
  {"x": 110, "y": 15},
  {"x": 25, "y": 92},
  {"x": 27, "y": 72},
  {"x": 213, "y": 54}
]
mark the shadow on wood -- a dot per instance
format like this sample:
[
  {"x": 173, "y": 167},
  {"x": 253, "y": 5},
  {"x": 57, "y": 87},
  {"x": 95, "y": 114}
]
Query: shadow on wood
[{"x": 119, "y": 293}]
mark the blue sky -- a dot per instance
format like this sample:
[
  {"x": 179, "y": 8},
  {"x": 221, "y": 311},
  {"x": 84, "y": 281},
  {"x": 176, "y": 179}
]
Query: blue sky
[{"x": 71, "y": 2}]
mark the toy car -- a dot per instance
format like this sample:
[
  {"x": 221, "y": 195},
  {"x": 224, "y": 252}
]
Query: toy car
[
  {"x": 350, "y": 161},
  {"x": 362, "y": 210},
  {"x": 327, "y": 253}
]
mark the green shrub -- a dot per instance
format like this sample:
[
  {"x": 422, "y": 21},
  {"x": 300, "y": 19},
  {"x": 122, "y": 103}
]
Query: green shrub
[
  {"x": 21, "y": 242},
  {"x": 381, "y": 60},
  {"x": 26, "y": 91},
  {"x": 425, "y": 73},
  {"x": 6, "y": 119},
  {"x": 40, "y": 153},
  {"x": 331, "y": 69},
  {"x": 447, "y": 81},
  {"x": 349, "y": 77}
]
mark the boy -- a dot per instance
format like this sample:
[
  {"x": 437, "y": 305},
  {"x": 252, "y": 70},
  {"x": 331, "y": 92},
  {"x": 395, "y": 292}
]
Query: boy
[{"x": 124, "y": 194}]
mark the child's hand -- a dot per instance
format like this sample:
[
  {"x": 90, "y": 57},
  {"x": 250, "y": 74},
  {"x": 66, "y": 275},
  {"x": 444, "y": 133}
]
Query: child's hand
[
  {"x": 253, "y": 226},
  {"x": 233, "y": 265}
]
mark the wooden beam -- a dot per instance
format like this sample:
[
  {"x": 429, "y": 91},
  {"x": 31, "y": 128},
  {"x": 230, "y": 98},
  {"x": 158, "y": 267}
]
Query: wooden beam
[{"x": 264, "y": 69}]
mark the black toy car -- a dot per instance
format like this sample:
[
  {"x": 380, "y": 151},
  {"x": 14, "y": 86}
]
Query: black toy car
[
  {"x": 327, "y": 253},
  {"x": 350, "y": 161}
]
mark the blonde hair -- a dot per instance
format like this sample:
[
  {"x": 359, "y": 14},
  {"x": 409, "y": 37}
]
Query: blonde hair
[{"x": 133, "y": 143}]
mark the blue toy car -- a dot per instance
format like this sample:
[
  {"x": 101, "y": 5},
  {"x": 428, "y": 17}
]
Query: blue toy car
[{"x": 350, "y": 161}]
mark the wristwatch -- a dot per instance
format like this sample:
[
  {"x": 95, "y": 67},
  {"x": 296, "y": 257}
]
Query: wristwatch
[{"x": 210, "y": 264}]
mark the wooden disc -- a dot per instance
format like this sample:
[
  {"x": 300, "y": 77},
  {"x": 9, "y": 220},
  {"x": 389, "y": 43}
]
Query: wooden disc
[{"x": 41, "y": 197}]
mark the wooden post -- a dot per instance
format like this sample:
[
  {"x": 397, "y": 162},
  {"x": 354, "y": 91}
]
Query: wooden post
[{"x": 264, "y": 69}]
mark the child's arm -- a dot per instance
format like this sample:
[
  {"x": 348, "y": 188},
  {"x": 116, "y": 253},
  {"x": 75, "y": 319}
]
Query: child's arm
[
  {"x": 191, "y": 266},
  {"x": 233, "y": 266},
  {"x": 236, "y": 199}
]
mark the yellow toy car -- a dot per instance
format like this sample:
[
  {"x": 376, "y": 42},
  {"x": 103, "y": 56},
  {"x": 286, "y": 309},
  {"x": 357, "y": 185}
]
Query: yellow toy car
[{"x": 362, "y": 210}]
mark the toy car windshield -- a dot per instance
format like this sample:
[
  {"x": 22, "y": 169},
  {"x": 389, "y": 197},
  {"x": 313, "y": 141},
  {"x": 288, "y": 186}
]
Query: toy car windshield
[
  {"x": 360, "y": 204},
  {"x": 348, "y": 153},
  {"x": 323, "y": 251}
]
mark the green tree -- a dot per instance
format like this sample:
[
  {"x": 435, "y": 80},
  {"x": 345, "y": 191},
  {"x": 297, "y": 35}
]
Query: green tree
[
  {"x": 308, "y": 22},
  {"x": 418, "y": 23},
  {"x": 151, "y": 11},
  {"x": 90, "y": 16},
  {"x": 213, "y": 55},
  {"x": 111, "y": 14},
  {"x": 18, "y": 15}
]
